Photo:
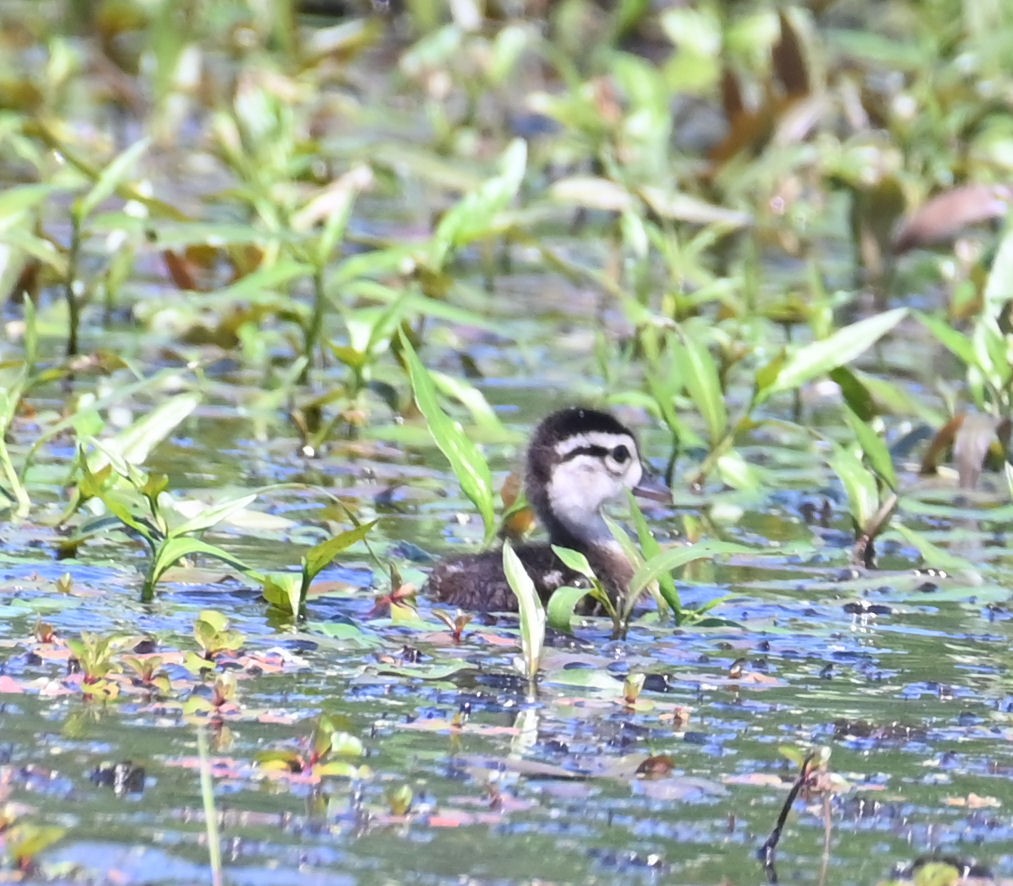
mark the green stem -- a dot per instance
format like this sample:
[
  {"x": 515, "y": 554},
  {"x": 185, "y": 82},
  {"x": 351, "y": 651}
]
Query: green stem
[
  {"x": 73, "y": 308},
  {"x": 312, "y": 333},
  {"x": 18, "y": 492}
]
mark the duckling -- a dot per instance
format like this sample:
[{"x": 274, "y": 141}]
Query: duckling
[{"x": 577, "y": 460}]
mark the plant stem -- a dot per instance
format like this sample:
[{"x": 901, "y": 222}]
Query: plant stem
[
  {"x": 73, "y": 308},
  {"x": 312, "y": 332},
  {"x": 207, "y": 793}
]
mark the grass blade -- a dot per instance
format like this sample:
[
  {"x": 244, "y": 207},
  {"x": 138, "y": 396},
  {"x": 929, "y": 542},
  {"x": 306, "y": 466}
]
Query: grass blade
[{"x": 464, "y": 456}]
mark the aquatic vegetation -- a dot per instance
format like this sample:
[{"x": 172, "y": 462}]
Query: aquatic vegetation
[{"x": 278, "y": 254}]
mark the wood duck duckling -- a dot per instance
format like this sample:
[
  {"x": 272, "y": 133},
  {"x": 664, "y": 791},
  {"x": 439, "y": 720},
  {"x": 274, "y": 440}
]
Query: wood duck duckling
[{"x": 578, "y": 460}]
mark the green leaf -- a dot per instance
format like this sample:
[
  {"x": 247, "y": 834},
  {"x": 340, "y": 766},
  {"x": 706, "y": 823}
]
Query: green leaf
[
  {"x": 465, "y": 459},
  {"x": 473, "y": 399},
  {"x": 114, "y": 175},
  {"x": 473, "y": 218},
  {"x": 135, "y": 442},
  {"x": 649, "y": 548},
  {"x": 267, "y": 285},
  {"x": 574, "y": 560},
  {"x": 819, "y": 357},
  {"x": 696, "y": 369},
  {"x": 952, "y": 339},
  {"x": 859, "y": 484},
  {"x": 999, "y": 288},
  {"x": 213, "y": 515},
  {"x": 283, "y": 591},
  {"x": 562, "y": 605},
  {"x": 175, "y": 549},
  {"x": 317, "y": 557},
  {"x": 934, "y": 556},
  {"x": 856, "y": 395},
  {"x": 15, "y": 200},
  {"x": 673, "y": 558},
  {"x": 211, "y": 620},
  {"x": 876, "y": 451},
  {"x": 531, "y": 611}
]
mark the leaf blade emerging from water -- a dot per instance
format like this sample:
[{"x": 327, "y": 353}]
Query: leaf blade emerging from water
[
  {"x": 317, "y": 557},
  {"x": 562, "y": 607},
  {"x": 464, "y": 456},
  {"x": 531, "y": 612}
]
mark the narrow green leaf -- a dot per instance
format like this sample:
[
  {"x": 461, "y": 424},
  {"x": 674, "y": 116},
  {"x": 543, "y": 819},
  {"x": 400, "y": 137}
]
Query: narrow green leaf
[
  {"x": 876, "y": 451},
  {"x": 819, "y": 357},
  {"x": 649, "y": 548},
  {"x": 15, "y": 200},
  {"x": 317, "y": 557},
  {"x": 263, "y": 286},
  {"x": 999, "y": 287},
  {"x": 696, "y": 369},
  {"x": 856, "y": 395},
  {"x": 464, "y": 456},
  {"x": 952, "y": 339},
  {"x": 673, "y": 558},
  {"x": 175, "y": 549},
  {"x": 574, "y": 560},
  {"x": 213, "y": 515},
  {"x": 562, "y": 605},
  {"x": 114, "y": 175},
  {"x": 474, "y": 216},
  {"x": 531, "y": 612},
  {"x": 859, "y": 484},
  {"x": 133, "y": 444},
  {"x": 474, "y": 400},
  {"x": 934, "y": 556}
]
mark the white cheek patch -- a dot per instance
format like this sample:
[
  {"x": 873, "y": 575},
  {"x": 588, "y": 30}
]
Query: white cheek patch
[{"x": 578, "y": 489}]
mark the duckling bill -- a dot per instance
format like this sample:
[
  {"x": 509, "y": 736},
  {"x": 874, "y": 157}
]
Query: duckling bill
[{"x": 578, "y": 459}]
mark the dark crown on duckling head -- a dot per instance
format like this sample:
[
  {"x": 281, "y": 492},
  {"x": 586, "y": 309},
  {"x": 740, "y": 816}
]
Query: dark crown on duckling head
[{"x": 578, "y": 459}]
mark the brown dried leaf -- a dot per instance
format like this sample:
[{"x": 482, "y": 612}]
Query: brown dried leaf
[
  {"x": 946, "y": 215},
  {"x": 789, "y": 60}
]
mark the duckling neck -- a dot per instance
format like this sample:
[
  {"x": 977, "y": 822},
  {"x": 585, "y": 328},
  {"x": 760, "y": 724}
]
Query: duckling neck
[{"x": 593, "y": 539}]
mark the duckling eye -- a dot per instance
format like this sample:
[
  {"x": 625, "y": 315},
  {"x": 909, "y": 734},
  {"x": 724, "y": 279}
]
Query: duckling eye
[{"x": 620, "y": 455}]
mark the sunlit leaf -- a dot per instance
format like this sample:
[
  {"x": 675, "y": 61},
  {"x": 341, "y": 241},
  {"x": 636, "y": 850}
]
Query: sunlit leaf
[
  {"x": 133, "y": 444},
  {"x": 213, "y": 515},
  {"x": 819, "y": 357},
  {"x": 175, "y": 549},
  {"x": 468, "y": 463},
  {"x": 114, "y": 175},
  {"x": 695, "y": 368},
  {"x": 574, "y": 560},
  {"x": 562, "y": 605},
  {"x": 874, "y": 447},
  {"x": 532, "y": 613},
  {"x": 14, "y": 200},
  {"x": 283, "y": 590},
  {"x": 320, "y": 556},
  {"x": 472, "y": 218},
  {"x": 999, "y": 288},
  {"x": 859, "y": 484},
  {"x": 673, "y": 558}
]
